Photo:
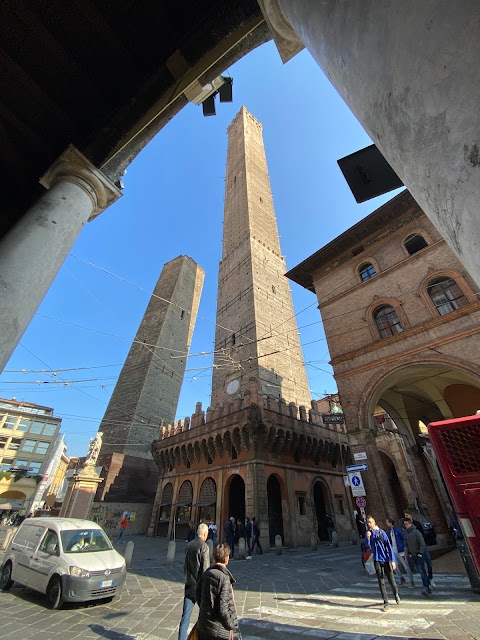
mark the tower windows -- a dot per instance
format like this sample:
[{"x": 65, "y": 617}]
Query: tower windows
[
  {"x": 387, "y": 321},
  {"x": 446, "y": 295},
  {"x": 182, "y": 314},
  {"x": 415, "y": 243},
  {"x": 367, "y": 271},
  {"x": 233, "y": 339},
  {"x": 273, "y": 289}
]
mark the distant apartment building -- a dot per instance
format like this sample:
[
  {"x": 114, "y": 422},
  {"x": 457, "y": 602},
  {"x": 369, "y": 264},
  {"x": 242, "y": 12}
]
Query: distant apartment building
[{"x": 28, "y": 433}]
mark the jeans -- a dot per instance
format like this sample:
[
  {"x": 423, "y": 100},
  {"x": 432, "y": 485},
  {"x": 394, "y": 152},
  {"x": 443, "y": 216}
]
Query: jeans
[
  {"x": 231, "y": 544},
  {"x": 402, "y": 560},
  {"x": 330, "y": 531},
  {"x": 428, "y": 562},
  {"x": 248, "y": 542},
  {"x": 383, "y": 569},
  {"x": 185, "y": 620},
  {"x": 420, "y": 564},
  {"x": 121, "y": 535},
  {"x": 256, "y": 541}
]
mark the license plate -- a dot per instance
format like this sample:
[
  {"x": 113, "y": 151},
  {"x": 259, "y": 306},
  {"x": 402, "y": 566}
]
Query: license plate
[{"x": 106, "y": 583}]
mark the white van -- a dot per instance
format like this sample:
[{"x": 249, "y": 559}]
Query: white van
[{"x": 69, "y": 560}]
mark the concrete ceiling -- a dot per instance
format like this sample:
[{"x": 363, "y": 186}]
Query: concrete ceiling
[{"x": 104, "y": 75}]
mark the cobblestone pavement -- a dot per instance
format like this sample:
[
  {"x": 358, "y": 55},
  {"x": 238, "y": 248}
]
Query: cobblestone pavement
[{"x": 299, "y": 595}]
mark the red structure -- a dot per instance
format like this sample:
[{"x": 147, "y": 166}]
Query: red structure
[{"x": 457, "y": 446}]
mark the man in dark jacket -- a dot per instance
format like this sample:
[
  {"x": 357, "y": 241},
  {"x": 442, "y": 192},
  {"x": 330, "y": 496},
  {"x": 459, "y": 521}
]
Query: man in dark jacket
[
  {"x": 197, "y": 560},
  {"x": 256, "y": 536},
  {"x": 218, "y": 614},
  {"x": 415, "y": 547},
  {"x": 248, "y": 537},
  {"x": 229, "y": 531}
]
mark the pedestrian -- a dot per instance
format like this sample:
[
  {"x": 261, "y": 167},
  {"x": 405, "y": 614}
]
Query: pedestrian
[
  {"x": 123, "y": 526},
  {"x": 248, "y": 537},
  {"x": 218, "y": 614},
  {"x": 425, "y": 553},
  {"x": 397, "y": 540},
  {"x": 212, "y": 533},
  {"x": 229, "y": 531},
  {"x": 197, "y": 560},
  {"x": 415, "y": 547},
  {"x": 330, "y": 525},
  {"x": 383, "y": 559},
  {"x": 191, "y": 532},
  {"x": 256, "y": 536},
  {"x": 239, "y": 530},
  {"x": 361, "y": 527}
]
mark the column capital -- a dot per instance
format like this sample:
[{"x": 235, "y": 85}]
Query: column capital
[
  {"x": 73, "y": 166},
  {"x": 287, "y": 41}
]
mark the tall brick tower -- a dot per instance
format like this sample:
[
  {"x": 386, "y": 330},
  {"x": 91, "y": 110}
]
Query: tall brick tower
[
  {"x": 256, "y": 339},
  {"x": 149, "y": 384}
]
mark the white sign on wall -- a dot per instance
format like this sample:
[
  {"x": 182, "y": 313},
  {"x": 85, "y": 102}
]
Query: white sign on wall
[
  {"x": 360, "y": 456},
  {"x": 356, "y": 484}
]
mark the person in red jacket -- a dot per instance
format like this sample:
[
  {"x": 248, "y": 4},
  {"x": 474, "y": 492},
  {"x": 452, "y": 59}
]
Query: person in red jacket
[{"x": 123, "y": 526}]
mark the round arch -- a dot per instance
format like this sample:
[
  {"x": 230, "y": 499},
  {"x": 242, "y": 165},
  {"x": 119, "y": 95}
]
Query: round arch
[
  {"x": 207, "y": 501},
  {"x": 234, "y": 498},
  {"x": 276, "y": 494},
  {"x": 164, "y": 511},
  {"x": 400, "y": 503},
  {"x": 322, "y": 501}
]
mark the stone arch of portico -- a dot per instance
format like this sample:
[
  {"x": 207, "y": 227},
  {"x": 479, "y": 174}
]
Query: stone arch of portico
[
  {"x": 285, "y": 529},
  {"x": 383, "y": 378},
  {"x": 396, "y": 484},
  {"x": 228, "y": 509}
]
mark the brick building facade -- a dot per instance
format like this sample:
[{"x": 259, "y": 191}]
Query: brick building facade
[
  {"x": 401, "y": 316},
  {"x": 262, "y": 448}
]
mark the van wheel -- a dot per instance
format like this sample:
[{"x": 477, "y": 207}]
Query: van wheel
[
  {"x": 6, "y": 581},
  {"x": 54, "y": 593}
]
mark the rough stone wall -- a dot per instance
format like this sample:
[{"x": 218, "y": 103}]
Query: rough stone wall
[
  {"x": 253, "y": 295},
  {"x": 149, "y": 384},
  {"x": 109, "y": 514}
]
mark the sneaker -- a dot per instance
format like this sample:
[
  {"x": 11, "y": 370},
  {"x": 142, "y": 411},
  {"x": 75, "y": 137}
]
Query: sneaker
[
  {"x": 429, "y": 591},
  {"x": 248, "y": 557},
  {"x": 397, "y": 599},
  {"x": 386, "y": 606},
  {"x": 411, "y": 585},
  {"x": 432, "y": 584},
  {"x": 426, "y": 592}
]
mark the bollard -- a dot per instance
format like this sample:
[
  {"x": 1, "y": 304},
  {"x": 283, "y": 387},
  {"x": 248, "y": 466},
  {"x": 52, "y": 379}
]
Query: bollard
[
  {"x": 313, "y": 541},
  {"x": 171, "y": 552},
  {"x": 354, "y": 536},
  {"x": 129, "y": 552},
  {"x": 335, "y": 539},
  {"x": 241, "y": 549},
  {"x": 210, "y": 550},
  {"x": 278, "y": 545}
]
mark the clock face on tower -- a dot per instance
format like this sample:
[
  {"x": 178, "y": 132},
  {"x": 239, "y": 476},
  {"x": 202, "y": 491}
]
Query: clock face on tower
[{"x": 233, "y": 386}]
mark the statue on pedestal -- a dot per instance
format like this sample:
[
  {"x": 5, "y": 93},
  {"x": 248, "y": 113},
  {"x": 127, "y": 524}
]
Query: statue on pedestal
[{"x": 94, "y": 450}]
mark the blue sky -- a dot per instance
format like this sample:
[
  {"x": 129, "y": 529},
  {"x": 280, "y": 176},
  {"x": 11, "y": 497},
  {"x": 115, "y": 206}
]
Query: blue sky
[{"x": 173, "y": 205}]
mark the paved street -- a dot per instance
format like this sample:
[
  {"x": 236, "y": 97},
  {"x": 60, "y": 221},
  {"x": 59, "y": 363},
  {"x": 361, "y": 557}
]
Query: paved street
[{"x": 301, "y": 594}]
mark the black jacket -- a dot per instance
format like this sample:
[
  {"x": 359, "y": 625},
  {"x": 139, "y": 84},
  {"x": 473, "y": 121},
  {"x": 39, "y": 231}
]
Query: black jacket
[
  {"x": 197, "y": 560},
  {"x": 217, "y": 607}
]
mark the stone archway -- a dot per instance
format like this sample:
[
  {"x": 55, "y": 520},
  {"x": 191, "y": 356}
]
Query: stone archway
[
  {"x": 321, "y": 500},
  {"x": 235, "y": 498},
  {"x": 393, "y": 481},
  {"x": 275, "y": 512}
]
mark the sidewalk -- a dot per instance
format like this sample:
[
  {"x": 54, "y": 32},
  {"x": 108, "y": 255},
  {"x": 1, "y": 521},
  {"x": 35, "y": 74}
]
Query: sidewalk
[{"x": 300, "y": 595}]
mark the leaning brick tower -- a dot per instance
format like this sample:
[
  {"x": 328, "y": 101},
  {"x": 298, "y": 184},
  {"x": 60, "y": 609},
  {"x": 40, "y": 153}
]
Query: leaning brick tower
[{"x": 256, "y": 340}]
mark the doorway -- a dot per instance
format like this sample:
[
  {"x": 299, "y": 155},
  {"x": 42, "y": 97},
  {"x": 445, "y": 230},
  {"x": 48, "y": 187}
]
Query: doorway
[
  {"x": 320, "y": 499},
  {"x": 275, "y": 515},
  {"x": 236, "y": 499}
]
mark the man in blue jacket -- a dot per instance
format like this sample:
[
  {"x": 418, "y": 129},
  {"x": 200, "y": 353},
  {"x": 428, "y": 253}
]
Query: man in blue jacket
[
  {"x": 397, "y": 540},
  {"x": 383, "y": 559}
]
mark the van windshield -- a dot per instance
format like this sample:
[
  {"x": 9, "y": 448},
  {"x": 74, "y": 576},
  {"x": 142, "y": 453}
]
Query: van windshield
[{"x": 85, "y": 541}]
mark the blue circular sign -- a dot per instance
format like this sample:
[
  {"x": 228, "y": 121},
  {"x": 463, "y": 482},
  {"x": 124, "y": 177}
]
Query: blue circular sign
[{"x": 356, "y": 481}]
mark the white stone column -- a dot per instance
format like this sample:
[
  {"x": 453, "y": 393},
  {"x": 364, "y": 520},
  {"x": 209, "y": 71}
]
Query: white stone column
[
  {"x": 32, "y": 253},
  {"x": 409, "y": 72}
]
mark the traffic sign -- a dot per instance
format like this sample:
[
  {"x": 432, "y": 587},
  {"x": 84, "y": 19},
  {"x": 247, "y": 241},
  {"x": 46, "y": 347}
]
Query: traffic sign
[
  {"x": 362, "y": 455},
  {"x": 356, "y": 484},
  {"x": 361, "y": 502},
  {"x": 352, "y": 468}
]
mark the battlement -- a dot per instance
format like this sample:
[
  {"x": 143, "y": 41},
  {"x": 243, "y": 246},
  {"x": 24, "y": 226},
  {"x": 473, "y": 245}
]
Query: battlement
[{"x": 200, "y": 417}]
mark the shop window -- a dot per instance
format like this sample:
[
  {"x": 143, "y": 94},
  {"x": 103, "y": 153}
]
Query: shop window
[
  {"x": 366, "y": 272},
  {"x": 387, "y": 321},
  {"x": 415, "y": 243},
  {"x": 446, "y": 295}
]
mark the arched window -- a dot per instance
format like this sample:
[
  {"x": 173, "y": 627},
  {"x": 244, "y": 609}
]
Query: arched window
[
  {"x": 446, "y": 295},
  {"x": 367, "y": 271},
  {"x": 415, "y": 243},
  {"x": 387, "y": 321}
]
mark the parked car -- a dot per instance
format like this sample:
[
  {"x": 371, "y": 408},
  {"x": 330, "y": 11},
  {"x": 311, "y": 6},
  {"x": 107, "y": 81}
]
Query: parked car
[{"x": 67, "y": 559}]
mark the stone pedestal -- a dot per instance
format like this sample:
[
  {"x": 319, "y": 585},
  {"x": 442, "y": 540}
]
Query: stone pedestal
[{"x": 80, "y": 494}]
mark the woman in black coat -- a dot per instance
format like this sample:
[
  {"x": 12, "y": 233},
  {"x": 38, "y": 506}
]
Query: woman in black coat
[{"x": 218, "y": 615}]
